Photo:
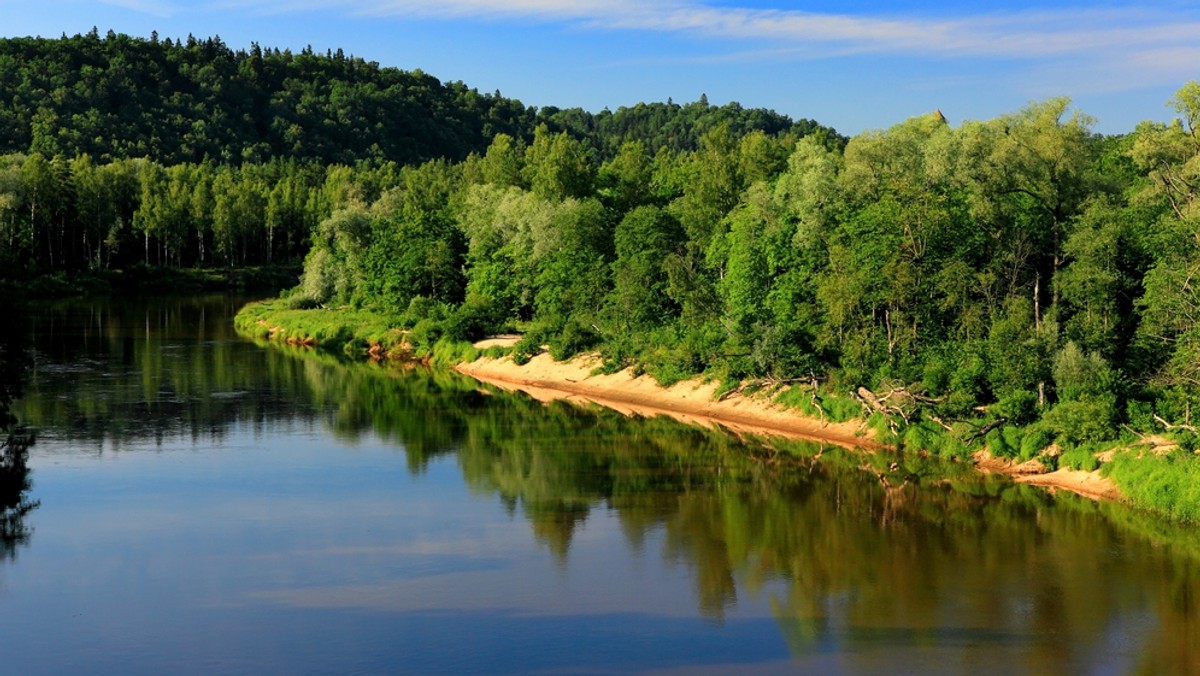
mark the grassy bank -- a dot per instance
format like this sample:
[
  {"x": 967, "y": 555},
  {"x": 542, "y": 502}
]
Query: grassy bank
[
  {"x": 1161, "y": 476},
  {"x": 354, "y": 333}
]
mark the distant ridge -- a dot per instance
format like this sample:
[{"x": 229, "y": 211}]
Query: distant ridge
[{"x": 116, "y": 96}]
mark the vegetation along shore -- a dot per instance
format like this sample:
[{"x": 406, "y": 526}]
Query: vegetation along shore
[{"x": 1021, "y": 284}]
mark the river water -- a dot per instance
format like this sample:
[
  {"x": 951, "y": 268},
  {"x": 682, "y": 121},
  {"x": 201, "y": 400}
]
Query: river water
[{"x": 209, "y": 505}]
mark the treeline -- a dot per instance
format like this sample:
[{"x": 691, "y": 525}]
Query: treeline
[
  {"x": 61, "y": 215},
  {"x": 1021, "y": 277},
  {"x": 190, "y": 101}
]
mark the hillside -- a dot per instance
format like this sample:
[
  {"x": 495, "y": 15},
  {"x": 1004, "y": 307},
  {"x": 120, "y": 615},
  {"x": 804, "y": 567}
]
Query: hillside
[{"x": 177, "y": 101}]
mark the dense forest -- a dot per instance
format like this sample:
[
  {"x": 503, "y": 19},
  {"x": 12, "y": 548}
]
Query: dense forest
[
  {"x": 1021, "y": 279},
  {"x": 175, "y": 101},
  {"x": 123, "y": 150}
]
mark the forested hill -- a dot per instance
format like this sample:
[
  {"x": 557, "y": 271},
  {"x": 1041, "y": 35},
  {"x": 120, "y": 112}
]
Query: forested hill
[{"x": 176, "y": 101}]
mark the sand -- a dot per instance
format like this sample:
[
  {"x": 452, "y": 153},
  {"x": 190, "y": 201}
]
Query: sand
[
  {"x": 693, "y": 402},
  {"x": 1088, "y": 484}
]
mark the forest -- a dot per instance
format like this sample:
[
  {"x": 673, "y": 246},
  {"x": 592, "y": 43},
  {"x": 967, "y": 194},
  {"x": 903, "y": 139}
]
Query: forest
[
  {"x": 117, "y": 150},
  {"x": 1021, "y": 281}
]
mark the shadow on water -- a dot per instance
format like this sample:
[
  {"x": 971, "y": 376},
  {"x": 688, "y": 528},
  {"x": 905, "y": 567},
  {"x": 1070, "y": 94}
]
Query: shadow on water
[{"x": 14, "y": 441}]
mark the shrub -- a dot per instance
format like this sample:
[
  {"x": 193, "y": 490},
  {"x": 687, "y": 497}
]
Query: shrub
[
  {"x": 425, "y": 334},
  {"x": 1019, "y": 407},
  {"x": 1081, "y": 457},
  {"x": 1037, "y": 438},
  {"x": 574, "y": 338},
  {"x": 526, "y": 348},
  {"x": 302, "y": 302},
  {"x": 1083, "y": 421},
  {"x": 467, "y": 323},
  {"x": 998, "y": 444}
]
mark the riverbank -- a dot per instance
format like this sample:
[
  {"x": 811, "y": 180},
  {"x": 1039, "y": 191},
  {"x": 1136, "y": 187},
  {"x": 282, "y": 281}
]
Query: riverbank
[
  {"x": 365, "y": 334},
  {"x": 695, "y": 402},
  {"x": 691, "y": 401}
]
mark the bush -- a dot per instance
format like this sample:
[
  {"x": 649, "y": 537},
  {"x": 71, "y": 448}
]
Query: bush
[
  {"x": 302, "y": 302},
  {"x": 1083, "y": 421},
  {"x": 529, "y": 346},
  {"x": 425, "y": 334},
  {"x": 1018, "y": 407},
  {"x": 574, "y": 338},
  {"x": 1037, "y": 438},
  {"x": 467, "y": 323},
  {"x": 997, "y": 444},
  {"x": 420, "y": 308},
  {"x": 1080, "y": 458},
  {"x": 1140, "y": 415}
]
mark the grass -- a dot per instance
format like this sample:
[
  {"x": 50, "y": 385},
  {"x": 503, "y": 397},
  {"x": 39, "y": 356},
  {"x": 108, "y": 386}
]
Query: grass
[
  {"x": 355, "y": 333},
  {"x": 344, "y": 330},
  {"x": 1167, "y": 483}
]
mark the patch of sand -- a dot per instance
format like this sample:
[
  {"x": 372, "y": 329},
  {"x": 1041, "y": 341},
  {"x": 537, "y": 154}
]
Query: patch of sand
[
  {"x": 689, "y": 401},
  {"x": 505, "y": 340},
  {"x": 1088, "y": 484},
  {"x": 692, "y": 402}
]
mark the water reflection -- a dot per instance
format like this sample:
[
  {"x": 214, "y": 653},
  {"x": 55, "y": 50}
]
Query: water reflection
[
  {"x": 862, "y": 562},
  {"x": 14, "y": 440}
]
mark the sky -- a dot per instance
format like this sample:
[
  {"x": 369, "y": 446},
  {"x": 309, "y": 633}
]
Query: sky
[{"x": 855, "y": 65}]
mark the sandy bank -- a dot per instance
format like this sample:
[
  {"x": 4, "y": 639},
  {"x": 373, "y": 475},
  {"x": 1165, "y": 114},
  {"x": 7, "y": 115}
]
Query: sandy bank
[
  {"x": 1088, "y": 484},
  {"x": 692, "y": 402}
]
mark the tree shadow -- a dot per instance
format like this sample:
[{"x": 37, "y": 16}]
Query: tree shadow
[{"x": 14, "y": 447}]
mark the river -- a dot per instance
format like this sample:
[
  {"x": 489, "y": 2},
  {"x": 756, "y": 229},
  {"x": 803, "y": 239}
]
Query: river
[{"x": 209, "y": 505}]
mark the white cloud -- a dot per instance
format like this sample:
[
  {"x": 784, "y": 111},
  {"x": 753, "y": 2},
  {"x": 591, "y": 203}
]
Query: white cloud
[
  {"x": 1009, "y": 35},
  {"x": 1109, "y": 40},
  {"x": 159, "y": 8}
]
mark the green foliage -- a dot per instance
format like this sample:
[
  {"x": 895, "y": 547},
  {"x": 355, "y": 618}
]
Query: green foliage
[
  {"x": 998, "y": 444},
  {"x": 528, "y": 347},
  {"x": 210, "y": 101},
  {"x": 573, "y": 338},
  {"x": 1018, "y": 407},
  {"x": 1080, "y": 422},
  {"x": 1037, "y": 438},
  {"x": 1168, "y": 484},
  {"x": 1081, "y": 458}
]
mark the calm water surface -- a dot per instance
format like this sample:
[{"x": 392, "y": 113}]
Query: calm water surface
[{"x": 208, "y": 505}]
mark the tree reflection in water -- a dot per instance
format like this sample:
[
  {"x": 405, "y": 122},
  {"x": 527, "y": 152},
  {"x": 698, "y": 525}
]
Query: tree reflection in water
[{"x": 14, "y": 446}]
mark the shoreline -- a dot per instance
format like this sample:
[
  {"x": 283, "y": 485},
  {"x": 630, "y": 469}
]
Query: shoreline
[{"x": 692, "y": 402}]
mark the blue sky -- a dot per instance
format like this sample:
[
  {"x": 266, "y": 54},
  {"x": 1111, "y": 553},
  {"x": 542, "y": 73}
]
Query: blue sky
[{"x": 854, "y": 65}]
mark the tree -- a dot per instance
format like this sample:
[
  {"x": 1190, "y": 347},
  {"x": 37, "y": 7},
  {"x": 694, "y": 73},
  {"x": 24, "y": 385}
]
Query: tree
[
  {"x": 557, "y": 166},
  {"x": 644, "y": 239}
]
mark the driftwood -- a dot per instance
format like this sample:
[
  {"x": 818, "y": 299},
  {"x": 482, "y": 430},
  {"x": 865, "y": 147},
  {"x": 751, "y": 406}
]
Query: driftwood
[
  {"x": 1175, "y": 426},
  {"x": 1134, "y": 432},
  {"x": 982, "y": 431},
  {"x": 896, "y": 402},
  {"x": 944, "y": 425}
]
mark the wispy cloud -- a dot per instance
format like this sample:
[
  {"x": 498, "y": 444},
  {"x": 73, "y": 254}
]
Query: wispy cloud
[
  {"x": 1017, "y": 35},
  {"x": 1083, "y": 50},
  {"x": 159, "y": 8}
]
